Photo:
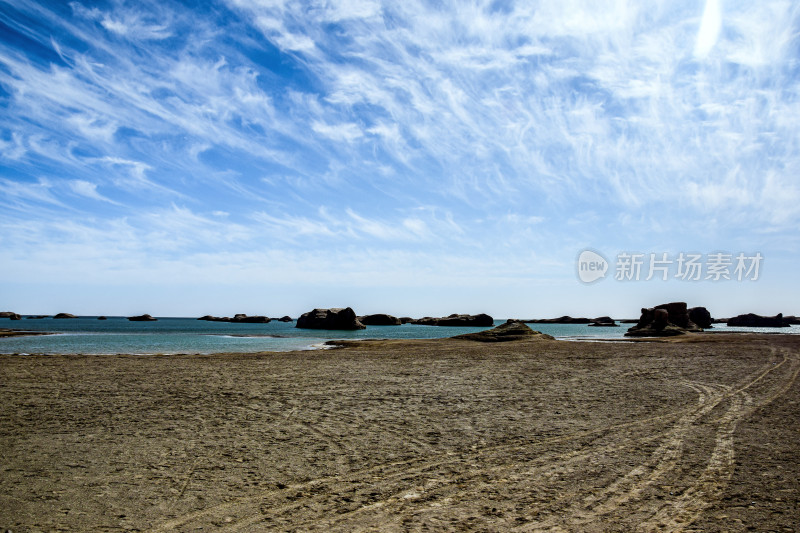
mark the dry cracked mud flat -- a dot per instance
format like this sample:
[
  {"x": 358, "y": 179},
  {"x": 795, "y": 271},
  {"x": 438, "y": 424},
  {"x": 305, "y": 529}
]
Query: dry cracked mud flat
[{"x": 699, "y": 434}]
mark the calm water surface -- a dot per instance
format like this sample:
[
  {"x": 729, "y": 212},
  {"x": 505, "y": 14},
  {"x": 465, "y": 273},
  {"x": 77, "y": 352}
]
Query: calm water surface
[{"x": 188, "y": 335}]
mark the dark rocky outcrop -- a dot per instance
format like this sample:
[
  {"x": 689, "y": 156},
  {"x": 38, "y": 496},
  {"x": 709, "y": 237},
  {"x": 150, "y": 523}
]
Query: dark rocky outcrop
[
  {"x": 406, "y": 320},
  {"x": 102, "y": 318},
  {"x": 379, "y": 319},
  {"x": 701, "y": 317},
  {"x": 663, "y": 321},
  {"x": 566, "y": 319},
  {"x": 751, "y": 320},
  {"x": 36, "y": 317},
  {"x": 238, "y": 318},
  {"x": 481, "y": 320},
  {"x": 142, "y": 318},
  {"x": 512, "y": 330},
  {"x": 791, "y": 319},
  {"x": 604, "y": 322},
  {"x": 284, "y": 318},
  {"x": 337, "y": 318},
  {"x": 7, "y": 314},
  {"x": 64, "y": 315}
]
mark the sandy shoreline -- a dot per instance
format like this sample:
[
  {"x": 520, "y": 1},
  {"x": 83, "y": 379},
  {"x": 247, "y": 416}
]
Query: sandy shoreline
[{"x": 695, "y": 434}]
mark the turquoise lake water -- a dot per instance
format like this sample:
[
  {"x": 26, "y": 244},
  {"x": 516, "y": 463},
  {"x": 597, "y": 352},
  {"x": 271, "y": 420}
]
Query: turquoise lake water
[{"x": 188, "y": 335}]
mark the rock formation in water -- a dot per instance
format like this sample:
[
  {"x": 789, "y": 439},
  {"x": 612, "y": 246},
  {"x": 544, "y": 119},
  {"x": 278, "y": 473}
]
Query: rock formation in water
[
  {"x": 336, "y": 318},
  {"x": 64, "y": 315},
  {"x": 379, "y": 319},
  {"x": 142, "y": 318},
  {"x": 512, "y": 330},
  {"x": 481, "y": 320},
  {"x": 566, "y": 319},
  {"x": 604, "y": 322},
  {"x": 663, "y": 321},
  {"x": 751, "y": 320},
  {"x": 238, "y": 318}
]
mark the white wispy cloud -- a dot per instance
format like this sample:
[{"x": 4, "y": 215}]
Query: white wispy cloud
[
  {"x": 477, "y": 128},
  {"x": 89, "y": 190}
]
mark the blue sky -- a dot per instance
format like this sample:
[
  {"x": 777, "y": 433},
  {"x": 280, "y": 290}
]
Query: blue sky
[{"x": 416, "y": 158}]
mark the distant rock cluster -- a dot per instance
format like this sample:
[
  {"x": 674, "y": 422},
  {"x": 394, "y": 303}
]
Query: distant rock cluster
[
  {"x": 239, "y": 318},
  {"x": 752, "y": 320},
  {"x": 346, "y": 319}
]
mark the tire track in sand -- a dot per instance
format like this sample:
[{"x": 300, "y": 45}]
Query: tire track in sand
[
  {"x": 386, "y": 490},
  {"x": 405, "y": 475},
  {"x": 680, "y": 511},
  {"x": 709, "y": 486}
]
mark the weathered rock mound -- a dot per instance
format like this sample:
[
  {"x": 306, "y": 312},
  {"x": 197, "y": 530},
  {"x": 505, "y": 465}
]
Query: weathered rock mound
[
  {"x": 284, "y": 318},
  {"x": 379, "y": 319},
  {"x": 336, "y": 318},
  {"x": 663, "y": 321},
  {"x": 510, "y": 331},
  {"x": 142, "y": 318},
  {"x": 751, "y": 320},
  {"x": 481, "y": 320},
  {"x": 64, "y": 315}
]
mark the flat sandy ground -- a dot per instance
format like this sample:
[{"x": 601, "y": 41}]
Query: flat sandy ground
[{"x": 697, "y": 435}]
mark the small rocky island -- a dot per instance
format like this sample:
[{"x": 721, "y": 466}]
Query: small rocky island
[
  {"x": 239, "y": 318},
  {"x": 142, "y": 318}
]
